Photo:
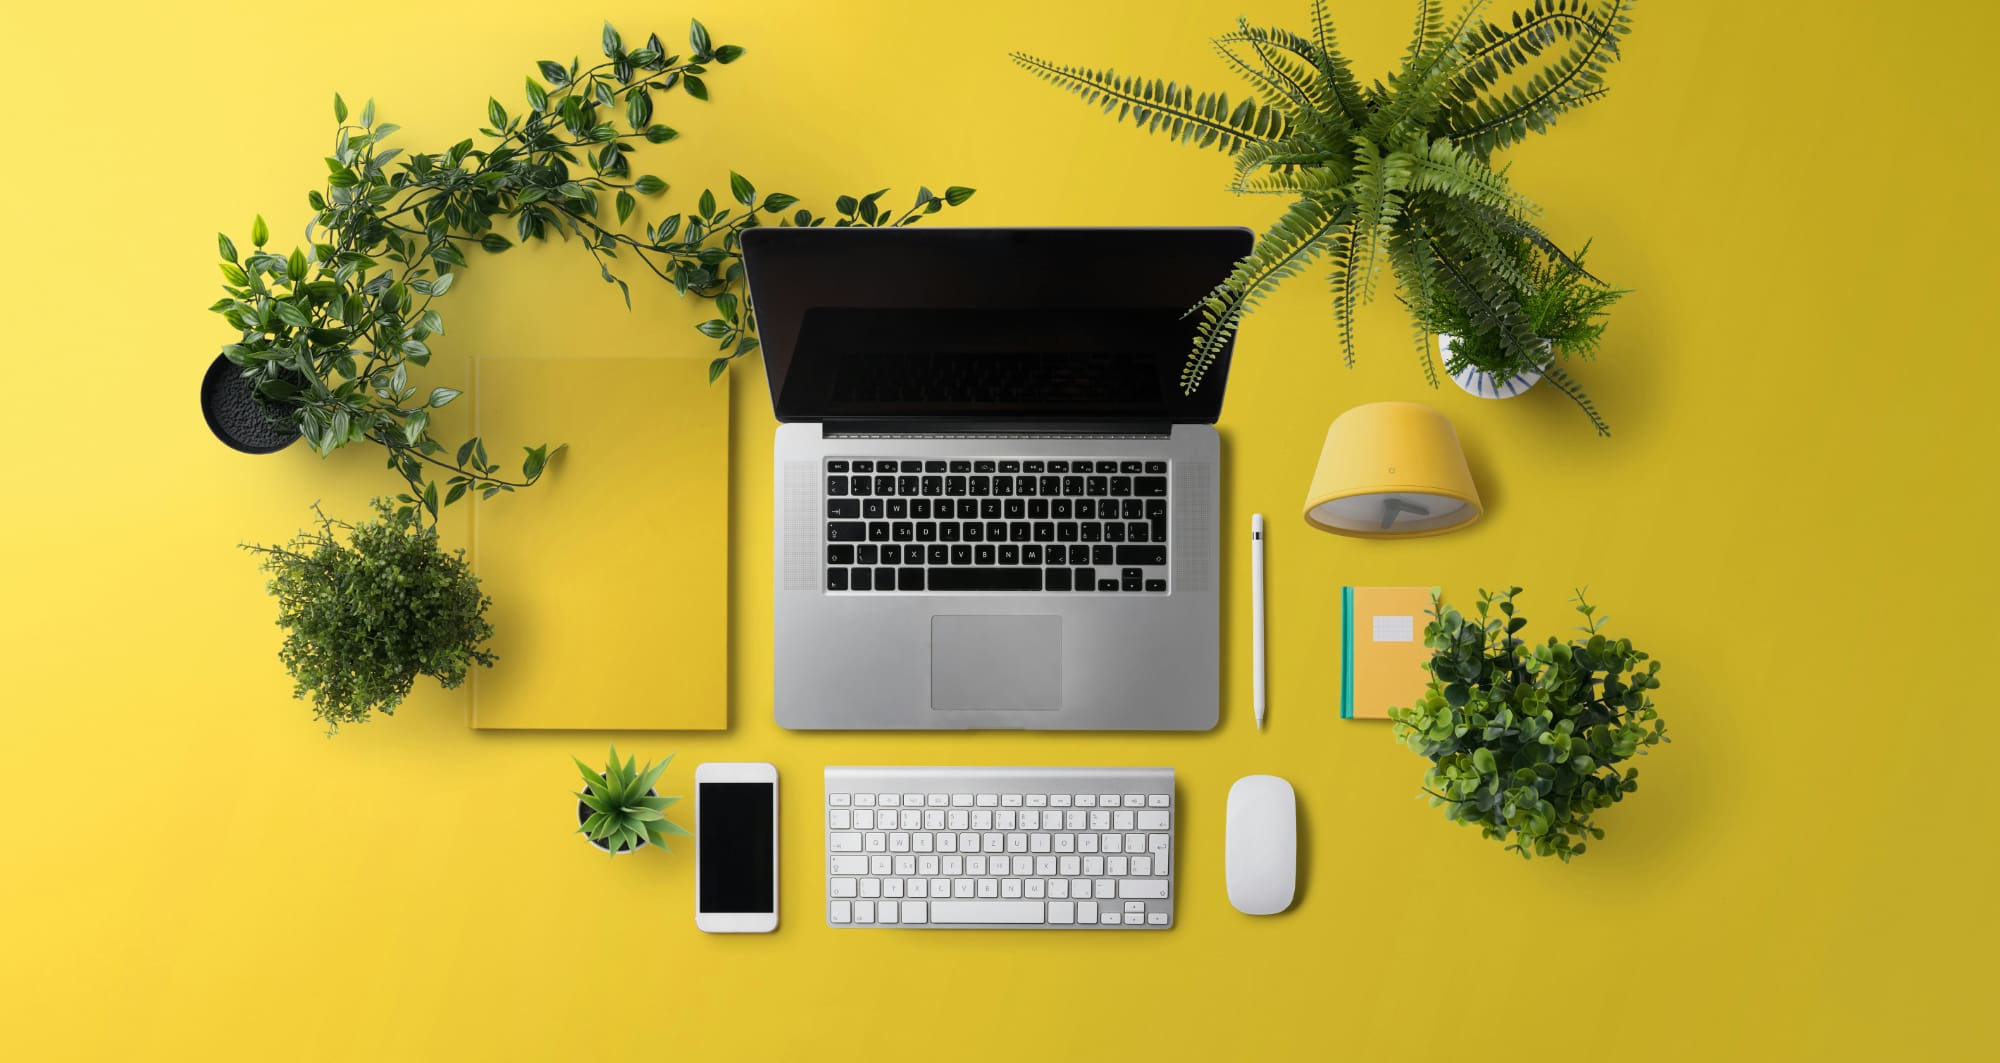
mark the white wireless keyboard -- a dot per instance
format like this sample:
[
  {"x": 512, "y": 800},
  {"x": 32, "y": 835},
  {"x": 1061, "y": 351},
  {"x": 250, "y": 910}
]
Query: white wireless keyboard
[{"x": 1040, "y": 848}]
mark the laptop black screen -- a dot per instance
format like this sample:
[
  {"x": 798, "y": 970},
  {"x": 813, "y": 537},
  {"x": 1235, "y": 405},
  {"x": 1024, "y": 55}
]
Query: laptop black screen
[{"x": 986, "y": 324}]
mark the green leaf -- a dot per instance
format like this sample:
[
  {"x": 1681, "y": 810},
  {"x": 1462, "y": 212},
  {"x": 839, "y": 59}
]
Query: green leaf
[
  {"x": 714, "y": 328},
  {"x": 695, "y": 87},
  {"x": 538, "y": 98},
  {"x": 260, "y": 234},
  {"x": 706, "y": 204},
  {"x": 368, "y": 113},
  {"x": 495, "y": 242},
  {"x": 227, "y": 246},
  {"x": 613, "y": 46},
  {"x": 651, "y": 185},
  {"x": 440, "y": 396},
  {"x": 698, "y": 38},
  {"x": 295, "y": 267},
  {"x": 956, "y": 195},
  {"x": 339, "y": 108},
  {"x": 846, "y": 205},
  {"x": 660, "y": 134},
  {"x": 742, "y": 189},
  {"x": 716, "y": 368},
  {"x": 495, "y": 113},
  {"x": 728, "y": 53},
  {"x": 291, "y": 315},
  {"x": 442, "y": 284},
  {"x": 625, "y": 204},
  {"x": 234, "y": 274},
  {"x": 638, "y": 108},
  {"x": 778, "y": 201},
  {"x": 554, "y": 73}
]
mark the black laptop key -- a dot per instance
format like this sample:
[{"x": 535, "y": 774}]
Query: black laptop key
[
  {"x": 1114, "y": 533},
  {"x": 836, "y": 579},
  {"x": 1038, "y": 509},
  {"x": 1159, "y": 529},
  {"x": 1003, "y": 486},
  {"x": 1095, "y": 485},
  {"x": 1031, "y": 466},
  {"x": 872, "y": 509},
  {"x": 843, "y": 508},
  {"x": 920, "y": 509},
  {"x": 954, "y": 485},
  {"x": 1103, "y": 555},
  {"x": 1156, "y": 585},
  {"x": 1132, "y": 583},
  {"x": 961, "y": 466},
  {"x": 1156, "y": 468},
  {"x": 1017, "y": 509},
  {"x": 982, "y": 466},
  {"x": 1010, "y": 466},
  {"x": 986, "y": 579},
  {"x": 858, "y": 485},
  {"x": 885, "y": 579},
  {"x": 1058, "y": 580},
  {"x": 899, "y": 509},
  {"x": 1150, "y": 554},
  {"x": 1057, "y": 466},
  {"x": 863, "y": 579},
  {"x": 840, "y": 554},
  {"x": 933, "y": 485},
  {"x": 864, "y": 466},
  {"x": 1131, "y": 467},
  {"x": 968, "y": 509},
  {"x": 1086, "y": 579},
  {"x": 1130, "y": 509},
  {"x": 1092, "y": 531},
  {"x": 906, "y": 485},
  {"x": 983, "y": 554},
  {"x": 1086, "y": 509},
  {"x": 1121, "y": 486},
  {"x": 1156, "y": 509},
  {"x": 913, "y": 466},
  {"x": 1018, "y": 531},
  {"x": 1079, "y": 555},
  {"x": 1062, "y": 509},
  {"x": 989, "y": 509},
  {"x": 940, "y": 554},
  {"x": 1025, "y": 485},
  {"x": 845, "y": 531},
  {"x": 1048, "y": 485},
  {"x": 909, "y": 579},
  {"x": 1107, "y": 466},
  {"x": 865, "y": 553},
  {"x": 836, "y": 485},
  {"x": 996, "y": 531},
  {"x": 885, "y": 485},
  {"x": 1107, "y": 585},
  {"x": 948, "y": 532},
  {"x": 926, "y": 531},
  {"x": 1066, "y": 532},
  {"x": 1045, "y": 532},
  {"x": 982, "y": 486},
  {"x": 1137, "y": 531},
  {"x": 1010, "y": 554},
  {"x": 1031, "y": 554},
  {"x": 836, "y": 466},
  {"x": 974, "y": 531},
  {"x": 961, "y": 554},
  {"x": 892, "y": 554},
  {"x": 878, "y": 531},
  {"x": 903, "y": 531},
  {"x": 1150, "y": 486},
  {"x": 1130, "y": 573},
  {"x": 938, "y": 466},
  {"x": 1072, "y": 485}
]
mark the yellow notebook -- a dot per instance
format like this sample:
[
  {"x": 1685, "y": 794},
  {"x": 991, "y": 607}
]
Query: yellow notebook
[
  {"x": 1382, "y": 652},
  {"x": 610, "y": 577}
]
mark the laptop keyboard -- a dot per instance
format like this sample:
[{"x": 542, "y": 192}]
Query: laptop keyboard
[{"x": 910, "y": 525}]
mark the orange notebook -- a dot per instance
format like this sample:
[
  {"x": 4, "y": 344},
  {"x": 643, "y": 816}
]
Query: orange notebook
[{"x": 1382, "y": 653}]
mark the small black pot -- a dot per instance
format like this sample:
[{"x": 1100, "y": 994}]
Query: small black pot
[
  {"x": 236, "y": 416},
  {"x": 583, "y": 813}
]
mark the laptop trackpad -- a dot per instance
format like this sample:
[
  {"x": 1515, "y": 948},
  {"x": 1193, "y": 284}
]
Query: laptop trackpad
[{"x": 996, "y": 662}]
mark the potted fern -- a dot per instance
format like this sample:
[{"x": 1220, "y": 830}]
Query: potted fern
[
  {"x": 1396, "y": 172},
  {"x": 618, "y": 811}
]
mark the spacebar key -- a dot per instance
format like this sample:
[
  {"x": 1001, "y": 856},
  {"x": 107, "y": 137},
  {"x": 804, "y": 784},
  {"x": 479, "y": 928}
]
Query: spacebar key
[
  {"x": 985, "y": 579},
  {"x": 986, "y": 911}
]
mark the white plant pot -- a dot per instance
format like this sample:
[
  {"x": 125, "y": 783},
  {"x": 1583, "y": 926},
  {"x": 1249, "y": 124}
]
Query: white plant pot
[{"x": 1478, "y": 382}]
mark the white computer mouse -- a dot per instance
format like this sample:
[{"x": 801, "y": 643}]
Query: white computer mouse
[{"x": 1263, "y": 841}]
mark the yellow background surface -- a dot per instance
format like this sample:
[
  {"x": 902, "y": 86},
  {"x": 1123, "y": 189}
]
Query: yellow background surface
[{"x": 1795, "y": 514}]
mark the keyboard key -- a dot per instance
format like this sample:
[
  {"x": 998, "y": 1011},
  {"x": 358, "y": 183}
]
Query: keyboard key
[
  {"x": 1142, "y": 888},
  {"x": 1156, "y": 466},
  {"x": 1107, "y": 585},
  {"x": 836, "y": 579},
  {"x": 1150, "y": 487},
  {"x": 844, "y": 842},
  {"x": 913, "y": 466},
  {"x": 938, "y": 466},
  {"x": 1131, "y": 584},
  {"x": 982, "y": 466},
  {"x": 845, "y": 531},
  {"x": 1102, "y": 556},
  {"x": 843, "y": 508},
  {"x": 910, "y": 579},
  {"x": 1156, "y": 586},
  {"x": 872, "y": 509},
  {"x": 1010, "y": 466},
  {"x": 985, "y": 911},
  {"x": 1058, "y": 579},
  {"x": 986, "y": 579},
  {"x": 885, "y": 485},
  {"x": 861, "y": 579},
  {"x": 1086, "y": 579},
  {"x": 961, "y": 466},
  {"x": 840, "y": 555},
  {"x": 1149, "y": 554},
  {"x": 885, "y": 579},
  {"x": 836, "y": 466},
  {"x": 864, "y": 466},
  {"x": 878, "y": 531},
  {"x": 836, "y": 485}
]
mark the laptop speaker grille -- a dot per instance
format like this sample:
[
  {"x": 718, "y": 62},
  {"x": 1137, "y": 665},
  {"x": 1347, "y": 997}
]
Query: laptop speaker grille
[
  {"x": 1194, "y": 489},
  {"x": 801, "y": 516}
]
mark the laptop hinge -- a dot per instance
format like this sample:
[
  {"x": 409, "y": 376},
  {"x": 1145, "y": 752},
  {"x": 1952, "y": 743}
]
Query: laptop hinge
[{"x": 969, "y": 428}]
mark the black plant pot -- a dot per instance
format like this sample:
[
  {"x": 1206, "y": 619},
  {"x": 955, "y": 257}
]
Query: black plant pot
[
  {"x": 583, "y": 813},
  {"x": 236, "y": 417}
]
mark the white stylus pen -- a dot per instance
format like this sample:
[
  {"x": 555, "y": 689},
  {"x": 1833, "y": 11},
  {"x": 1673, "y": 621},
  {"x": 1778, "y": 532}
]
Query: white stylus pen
[{"x": 1257, "y": 615}]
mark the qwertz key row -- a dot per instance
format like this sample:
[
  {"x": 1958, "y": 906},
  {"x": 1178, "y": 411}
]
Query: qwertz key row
[
  {"x": 996, "y": 524},
  {"x": 1040, "y": 848}
]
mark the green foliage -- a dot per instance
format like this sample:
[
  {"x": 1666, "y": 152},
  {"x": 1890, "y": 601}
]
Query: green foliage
[
  {"x": 1564, "y": 305},
  {"x": 1394, "y": 173},
  {"x": 329, "y": 332},
  {"x": 364, "y": 618},
  {"x": 1525, "y": 740},
  {"x": 624, "y": 813}
]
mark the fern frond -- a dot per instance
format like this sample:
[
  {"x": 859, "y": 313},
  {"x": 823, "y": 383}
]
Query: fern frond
[
  {"x": 1289, "y": 79},
  {"x": 1379, "y": 181},
  {"x": 1333, "y": 66},
  {"x": 1430, "y": 16},
  {"x": 1416, "y": 92},
  {"x": 1567, "y": 384},
  {"x": 1321, "y": 180},
  {"x": 1440, "y": 166},
  {"x": 1422, "y": 337},
  {"x": 1341, "y": 255},
  {"x": 1484, "y": 123},
  {"x": 1204, "y": 119},
  {"x": 1285, "y": 248},
  {"x": 1496, "y": 52}
]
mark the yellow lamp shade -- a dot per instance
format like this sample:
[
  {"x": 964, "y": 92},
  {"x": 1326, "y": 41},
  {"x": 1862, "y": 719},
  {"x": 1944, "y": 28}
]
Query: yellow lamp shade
[{"x": 1392, "y": 470}]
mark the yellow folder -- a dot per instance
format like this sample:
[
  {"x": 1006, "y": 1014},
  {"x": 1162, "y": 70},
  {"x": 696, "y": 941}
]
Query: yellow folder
[
  {"x": 1382, "y": 653},
  {"x": 610, "y": 577}
]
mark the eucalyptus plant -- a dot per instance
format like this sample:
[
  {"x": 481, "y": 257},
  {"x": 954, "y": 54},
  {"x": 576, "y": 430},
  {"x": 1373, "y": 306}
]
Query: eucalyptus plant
[
  {"x": 329, "y": 332},
  {"x": 1397, "y": 172},
  {"x": 1526, "y": 741}
]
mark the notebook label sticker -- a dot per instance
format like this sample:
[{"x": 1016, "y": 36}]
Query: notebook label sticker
[{"x": 1395, "y": 628}]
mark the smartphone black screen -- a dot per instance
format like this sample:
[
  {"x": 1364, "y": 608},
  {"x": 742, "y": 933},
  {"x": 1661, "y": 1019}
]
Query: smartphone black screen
[{"x": 734, "y": 833}]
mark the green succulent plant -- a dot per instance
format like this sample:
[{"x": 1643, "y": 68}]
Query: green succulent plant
[
  {"x": 1525, "y": 741},
  {"x": 1396, "y": 172},
  {"x": 624, "y": 813}
]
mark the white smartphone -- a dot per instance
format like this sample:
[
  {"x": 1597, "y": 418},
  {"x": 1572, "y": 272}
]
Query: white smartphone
[{"x": 736, "y": 848}]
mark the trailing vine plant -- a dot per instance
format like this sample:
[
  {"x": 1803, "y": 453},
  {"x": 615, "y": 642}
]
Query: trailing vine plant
[
  {"x": 328, "y": 333},
  {"x": 1396, "y": 172}
]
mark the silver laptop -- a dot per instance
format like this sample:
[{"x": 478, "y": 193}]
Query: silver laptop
[{"x": 995, "y": 506}]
